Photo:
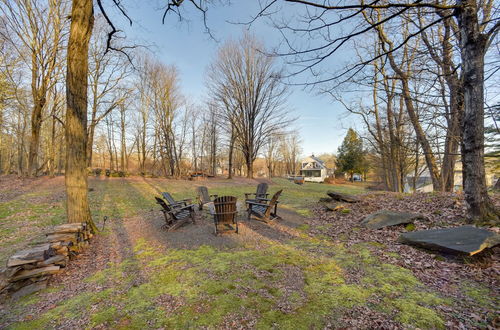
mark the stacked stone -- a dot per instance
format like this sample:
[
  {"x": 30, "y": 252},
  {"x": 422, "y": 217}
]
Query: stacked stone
[{"x": 28, "y": 270}]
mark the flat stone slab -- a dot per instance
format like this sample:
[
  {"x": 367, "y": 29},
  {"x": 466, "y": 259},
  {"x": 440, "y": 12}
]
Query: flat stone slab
[
  {"x": 27, "y": 290},
  {"x": 34, "y": 254},
  {"x": 37, "y": 272},
  {"x": 343, "y": 197},
  {"x": 332, "y": 206},
  {"x": 465, "y": 240},
  {"x": 385, "y": 218}
]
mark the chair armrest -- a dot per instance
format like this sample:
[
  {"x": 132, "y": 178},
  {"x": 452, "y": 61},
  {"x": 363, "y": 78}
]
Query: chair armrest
[
  {"x": 215, "y": 196},
  {"x": 267, "y": 200},
  {"x": 258, "y": 204},
  {"x": 186, "y": 207}
]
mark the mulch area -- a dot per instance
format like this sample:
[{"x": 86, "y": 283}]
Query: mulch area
[{"x": 443, "y": 273}]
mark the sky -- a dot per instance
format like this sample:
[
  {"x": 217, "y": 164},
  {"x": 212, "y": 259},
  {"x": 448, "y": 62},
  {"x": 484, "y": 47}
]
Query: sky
[{"x": 322, "y": 122}]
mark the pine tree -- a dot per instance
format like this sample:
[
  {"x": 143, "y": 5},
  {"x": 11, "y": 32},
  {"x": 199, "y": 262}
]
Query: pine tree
[{"x": 350, "y": 158}]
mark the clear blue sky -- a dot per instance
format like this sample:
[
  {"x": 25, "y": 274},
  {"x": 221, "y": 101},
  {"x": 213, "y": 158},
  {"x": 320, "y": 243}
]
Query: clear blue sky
[{"x": 321, "y": 121}]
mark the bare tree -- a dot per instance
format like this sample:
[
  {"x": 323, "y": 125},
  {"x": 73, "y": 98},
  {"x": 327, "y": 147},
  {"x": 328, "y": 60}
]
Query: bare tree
[
  {"x": 37, "y": 31},
  {"x": 82, "y": 20},
  {"x": 107, "y": 71},
  {"x": 246, "y": 84},
  {"x": 476, "y": 29}
]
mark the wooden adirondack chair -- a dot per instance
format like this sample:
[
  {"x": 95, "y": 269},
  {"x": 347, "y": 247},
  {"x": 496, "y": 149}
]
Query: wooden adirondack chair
[
  {"x": 175, "y": 216},
  {"x": 264, "y": 211},
  {"x": 204, "y": 197},
  {"x": 259, "y": 195},
  {"x": 176, "y": 204},
  {"x": 225, "y": 213}
]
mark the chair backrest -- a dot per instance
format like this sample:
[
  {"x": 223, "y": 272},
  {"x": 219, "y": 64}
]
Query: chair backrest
[
  {"x": 225, "y": 209},
  {"x": 273, "y": 201},
  {"x": 162, "y": 203},
  {"x": 203, "y": 194},
  {"x": 261, "y": 190},
  {"x": 169, "y": 198}
]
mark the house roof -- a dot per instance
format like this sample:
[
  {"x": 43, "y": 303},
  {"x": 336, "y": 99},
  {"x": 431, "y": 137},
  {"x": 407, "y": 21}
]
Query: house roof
[{"x": 319, "y": 163}]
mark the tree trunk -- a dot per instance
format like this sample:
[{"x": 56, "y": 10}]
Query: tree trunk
[
  {"x": 473, "y": 46},
  {"x": 230, "y": 156},
  {"x": 36, "y": 124},
  {"x": 249, "y": 163},
  {"x": 90, "y": 143},
  {"x": 82, "y": 19},
  {"x": 52, "y": 148}
]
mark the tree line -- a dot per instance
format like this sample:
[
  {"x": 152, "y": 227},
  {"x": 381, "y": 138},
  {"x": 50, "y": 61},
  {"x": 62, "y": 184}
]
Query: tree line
[
  {"x": 138, "y": 119},
  {"x": 423, "y": 61}
]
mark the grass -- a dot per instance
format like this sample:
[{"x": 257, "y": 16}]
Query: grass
[
  {"x": 213, "y": 286},
  {"x": 301, "y": 283}
]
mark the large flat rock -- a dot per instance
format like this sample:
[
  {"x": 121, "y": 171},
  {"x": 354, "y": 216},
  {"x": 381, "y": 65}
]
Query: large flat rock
[
  {"x": 465, "y": 240},
  {"x": 342, "y": 197},
  {"x": 385, "y": 218},
  {"x": 37, "y": 272},
  {"x": 34, "y": 254}
]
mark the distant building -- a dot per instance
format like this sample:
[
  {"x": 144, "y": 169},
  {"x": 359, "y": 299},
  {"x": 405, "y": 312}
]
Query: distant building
[
  {"x": 314, "y": 169},
  {"x": 424, "y": 181}
]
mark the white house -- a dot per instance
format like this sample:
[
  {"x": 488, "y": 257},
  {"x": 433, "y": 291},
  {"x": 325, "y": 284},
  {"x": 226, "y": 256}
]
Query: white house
[
  {"x": 424, "y": 182},
  {"x": 314, "y": 169}
]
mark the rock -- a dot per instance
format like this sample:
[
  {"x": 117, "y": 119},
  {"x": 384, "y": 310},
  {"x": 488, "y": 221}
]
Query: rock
[
  {"x": 343, "y": 197},
  {"x": 70, "y": 237},
  {"x": 67, "y": 228},
  {"x": 385, "y": 218},
  {"x": 38, "y": 272},
  {"x": 37, "y": 286},
  {"x": 465, "y": 240},
  {"x": 36, "y": 253},
  {"x": 333, "y": 206},
  {"x": 59, "y": 260}
]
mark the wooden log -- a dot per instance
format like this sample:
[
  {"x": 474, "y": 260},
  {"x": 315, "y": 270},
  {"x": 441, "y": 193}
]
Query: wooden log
[
  {"x": 38, "y": 272},
  {"x": 34, "y": 254}
]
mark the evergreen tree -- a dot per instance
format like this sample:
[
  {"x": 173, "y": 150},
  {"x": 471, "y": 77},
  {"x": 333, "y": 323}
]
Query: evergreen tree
[{"x": 350, "y": 157}]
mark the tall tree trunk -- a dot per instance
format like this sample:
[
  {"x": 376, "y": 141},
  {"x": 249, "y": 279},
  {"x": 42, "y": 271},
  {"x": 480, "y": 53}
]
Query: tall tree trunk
[
  {"x": 36, "y": 125},
  {"x": 249, "y": 163},
  {"x": 52, "y": 147},
  {"x": 82, "y": 19},
  {"x": 473, "y": 46},
  {"x": 230, "y": 156},
  {"x": 123, "y": 145},
  {"x": 90, "y": 143}
]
